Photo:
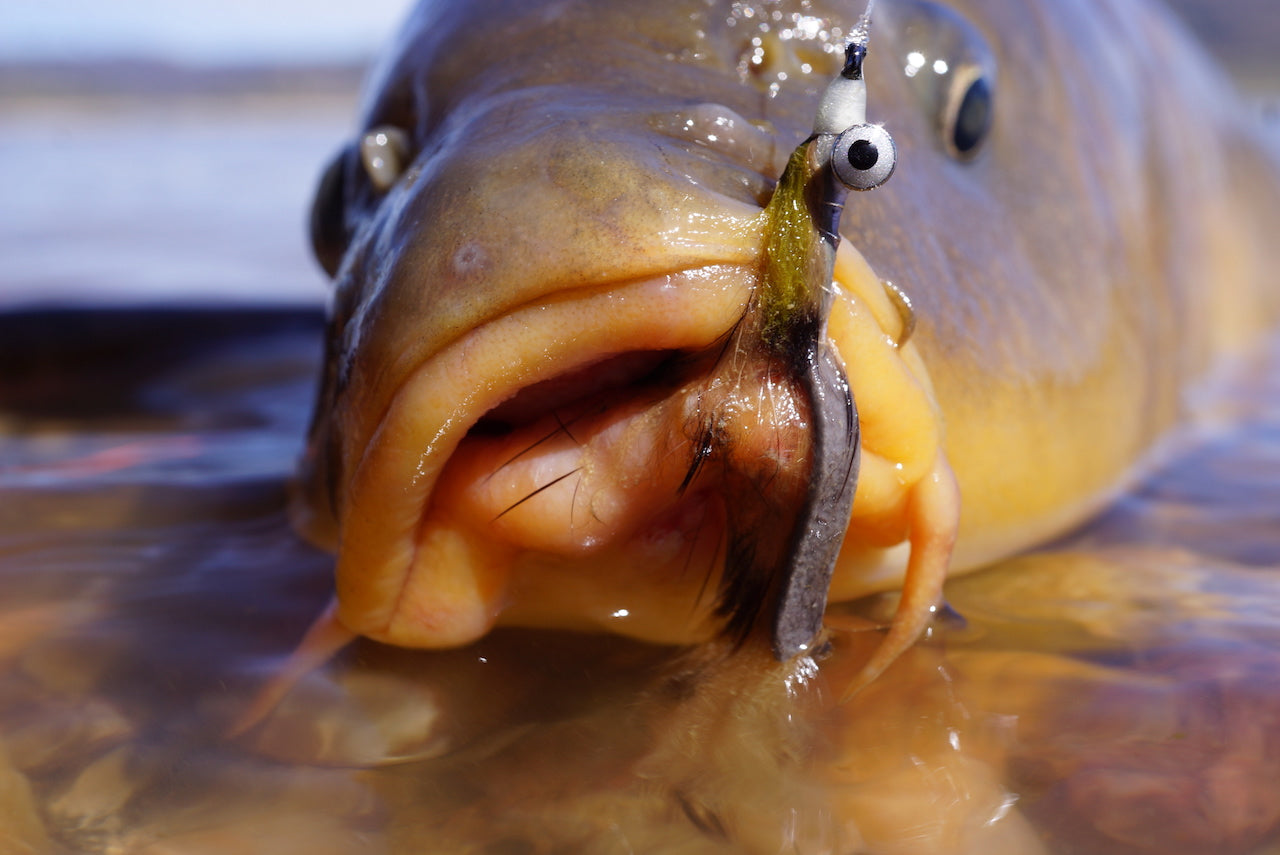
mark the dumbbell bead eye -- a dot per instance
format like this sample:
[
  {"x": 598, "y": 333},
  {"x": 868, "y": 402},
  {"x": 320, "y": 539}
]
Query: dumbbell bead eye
[{"x": 864, "y": 157}]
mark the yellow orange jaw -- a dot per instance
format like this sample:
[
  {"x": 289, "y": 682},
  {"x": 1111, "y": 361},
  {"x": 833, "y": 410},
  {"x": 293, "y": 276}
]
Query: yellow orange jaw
[
  {"x": 438, "y": 518},
  {"x": 552, "y": 469},
  {"x": 641, "y": 501},
  {"x": 587, "y": 513}
]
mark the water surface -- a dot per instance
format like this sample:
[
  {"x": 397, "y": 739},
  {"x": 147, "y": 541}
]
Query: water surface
[{"x": 1119, "y": 692}]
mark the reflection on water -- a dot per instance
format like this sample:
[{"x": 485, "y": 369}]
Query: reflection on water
[{"x": 1118, "y": 693}]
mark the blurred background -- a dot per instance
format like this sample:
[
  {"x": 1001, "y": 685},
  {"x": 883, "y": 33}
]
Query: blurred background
[
  {"x": 195, "y": 33},
  {"x": 152, "y": 150}
]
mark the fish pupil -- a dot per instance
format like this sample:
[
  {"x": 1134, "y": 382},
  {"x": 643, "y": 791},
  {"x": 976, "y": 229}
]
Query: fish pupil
[
  {"x": 973, "y": 119},
  {"x": 863, "y": 155}
]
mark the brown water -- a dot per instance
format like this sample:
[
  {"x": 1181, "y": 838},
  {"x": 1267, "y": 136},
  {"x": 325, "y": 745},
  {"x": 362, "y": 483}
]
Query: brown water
[{"x": 1117, "y": 693}]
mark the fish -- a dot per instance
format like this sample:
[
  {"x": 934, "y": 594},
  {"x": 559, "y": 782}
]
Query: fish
[{"x": 550, "y": 229}]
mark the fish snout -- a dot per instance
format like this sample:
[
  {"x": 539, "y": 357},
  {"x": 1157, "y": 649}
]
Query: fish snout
[
  {"x": 541, "y": 408},
  {"x": 557, "y": 466}
]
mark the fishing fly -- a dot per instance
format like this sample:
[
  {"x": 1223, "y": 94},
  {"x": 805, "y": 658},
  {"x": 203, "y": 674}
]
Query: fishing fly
[
  {"x": 843, "y": 153},
  {"x": 862, "y": 155}
]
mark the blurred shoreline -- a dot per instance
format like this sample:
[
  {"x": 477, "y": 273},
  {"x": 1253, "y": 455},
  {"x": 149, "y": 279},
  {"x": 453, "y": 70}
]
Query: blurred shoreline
[
  {"x": 152, "y": 49},
  {"x": 149, "y": 78},
  {"x": 141, "y": 182}
]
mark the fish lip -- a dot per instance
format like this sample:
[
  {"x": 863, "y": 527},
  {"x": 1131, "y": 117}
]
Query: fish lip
[{"x": 422, "y": 426}]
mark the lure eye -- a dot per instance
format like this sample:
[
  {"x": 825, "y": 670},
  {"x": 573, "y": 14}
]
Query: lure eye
[
  {"x": 864, "y": 157},
  {"x": 384, "y": 152}
]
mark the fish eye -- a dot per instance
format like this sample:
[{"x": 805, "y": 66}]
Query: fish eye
[
  {"x": 951, "y": 69},
  {"x": 967, "y": 121},
  {"x": 864, "y": 157},
  {"x": 382, "y": 155},
  {"x": 330, "y": 231},
  {"x": 384, "y": 152}
]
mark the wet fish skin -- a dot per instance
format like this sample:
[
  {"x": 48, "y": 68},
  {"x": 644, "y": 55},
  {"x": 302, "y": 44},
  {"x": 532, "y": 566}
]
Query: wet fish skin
[{"x": 537, "y": 134}]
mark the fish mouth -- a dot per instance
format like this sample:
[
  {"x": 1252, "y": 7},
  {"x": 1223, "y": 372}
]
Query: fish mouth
[
  {"x": 613, "y": 456},
  {"x": 554, "y": 467},
  {"x": 577, "y": 462}
]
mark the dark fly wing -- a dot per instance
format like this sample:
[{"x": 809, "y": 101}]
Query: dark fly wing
[{"x": 820, "y": 527}]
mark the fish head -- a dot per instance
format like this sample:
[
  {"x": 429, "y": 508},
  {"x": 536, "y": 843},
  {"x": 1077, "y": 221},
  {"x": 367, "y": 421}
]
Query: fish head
[
  {"x": 539, "y": 406},
  {"x": 545, "y": 399},
  {"x": 513, "y": 324}
]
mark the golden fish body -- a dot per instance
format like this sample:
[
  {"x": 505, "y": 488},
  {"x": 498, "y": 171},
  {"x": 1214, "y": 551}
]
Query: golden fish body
[{"x": 531, "y": 296}]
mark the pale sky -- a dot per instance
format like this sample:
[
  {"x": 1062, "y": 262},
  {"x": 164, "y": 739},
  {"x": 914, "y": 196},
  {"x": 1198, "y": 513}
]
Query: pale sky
[{"x": 197, "y": 32}]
